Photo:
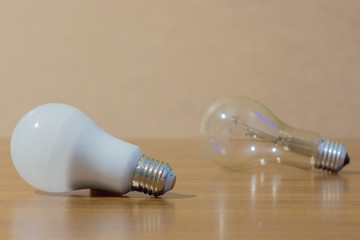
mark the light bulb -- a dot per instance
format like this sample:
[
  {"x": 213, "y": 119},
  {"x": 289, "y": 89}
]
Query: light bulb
[
  {"x": 57, "y": 148},
  {"x": 240, "y": 132}
]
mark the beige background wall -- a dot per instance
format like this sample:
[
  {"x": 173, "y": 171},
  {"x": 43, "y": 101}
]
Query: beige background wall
[{"x": 151, "y": 68}]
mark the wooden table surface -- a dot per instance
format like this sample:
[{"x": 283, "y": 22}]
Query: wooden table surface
[{"x": 208, "y": 202}]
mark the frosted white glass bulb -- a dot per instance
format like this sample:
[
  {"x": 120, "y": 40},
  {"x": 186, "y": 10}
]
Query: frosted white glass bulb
[
  {"x": 240, "y": 132},
  {"x": 56, "y": 148}
]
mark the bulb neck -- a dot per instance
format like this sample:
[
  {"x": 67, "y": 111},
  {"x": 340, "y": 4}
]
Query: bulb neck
[
  {"x": 331, "y": 156},
  {"x": 152, "y": 177}
]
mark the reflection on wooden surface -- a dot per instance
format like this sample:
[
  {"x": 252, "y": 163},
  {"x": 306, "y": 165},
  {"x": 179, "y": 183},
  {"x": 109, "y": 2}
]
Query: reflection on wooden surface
[
  {"x": 208, "y": 202},
  {"x": 82, "y": 216}
]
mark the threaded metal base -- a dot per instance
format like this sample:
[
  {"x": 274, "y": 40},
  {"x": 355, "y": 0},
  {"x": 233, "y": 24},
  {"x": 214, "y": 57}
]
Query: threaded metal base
[
  {"x": 152, "y": 177},
  {"x": 331, "y": 156}
]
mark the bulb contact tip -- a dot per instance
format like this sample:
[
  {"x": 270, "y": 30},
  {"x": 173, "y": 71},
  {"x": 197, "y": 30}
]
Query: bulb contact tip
[
  {"x": 347, "y": 160},
  {"x": 153, "y": 177},
  {"x": 170, "y": 181},
  {"x": 331, "y": 156}
]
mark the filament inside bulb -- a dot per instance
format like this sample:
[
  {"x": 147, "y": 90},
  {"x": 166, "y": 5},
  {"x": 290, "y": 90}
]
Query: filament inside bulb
[{"x": 241, "y": 131}]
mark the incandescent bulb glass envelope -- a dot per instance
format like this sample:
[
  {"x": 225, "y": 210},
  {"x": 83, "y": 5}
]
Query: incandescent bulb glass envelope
[
  {"x": 56, "y": 148},
  {"x": 240, "y": 132}
]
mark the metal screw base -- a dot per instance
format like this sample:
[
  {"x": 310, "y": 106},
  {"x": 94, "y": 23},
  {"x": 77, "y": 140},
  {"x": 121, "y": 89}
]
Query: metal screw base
[
  {"x": 152, "y": 177},
  {"x": 331, "y": 156}
]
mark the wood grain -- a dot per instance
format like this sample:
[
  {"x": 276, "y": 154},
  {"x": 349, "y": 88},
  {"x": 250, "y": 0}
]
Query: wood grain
[{"x": 208, "y": 202}]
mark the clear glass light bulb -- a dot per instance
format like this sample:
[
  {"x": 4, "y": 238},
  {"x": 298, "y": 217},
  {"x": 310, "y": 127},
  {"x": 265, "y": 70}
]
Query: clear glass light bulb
[
  {"x": 57, "y": 148},
  {"x": 240, "y": 132}
]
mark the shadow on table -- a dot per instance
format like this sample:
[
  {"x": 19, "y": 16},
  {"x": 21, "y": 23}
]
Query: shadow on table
[
  {"x": 346, "y": 172},
  {"x": 103, "y": 194}
]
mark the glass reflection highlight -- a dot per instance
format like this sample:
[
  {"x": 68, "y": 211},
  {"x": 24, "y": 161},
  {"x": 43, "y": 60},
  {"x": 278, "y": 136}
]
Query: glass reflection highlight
[{"x": 331, "y": 188}]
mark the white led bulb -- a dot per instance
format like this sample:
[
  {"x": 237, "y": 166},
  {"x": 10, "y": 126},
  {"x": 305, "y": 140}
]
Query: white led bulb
[{"x": 57, "y": 148}]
